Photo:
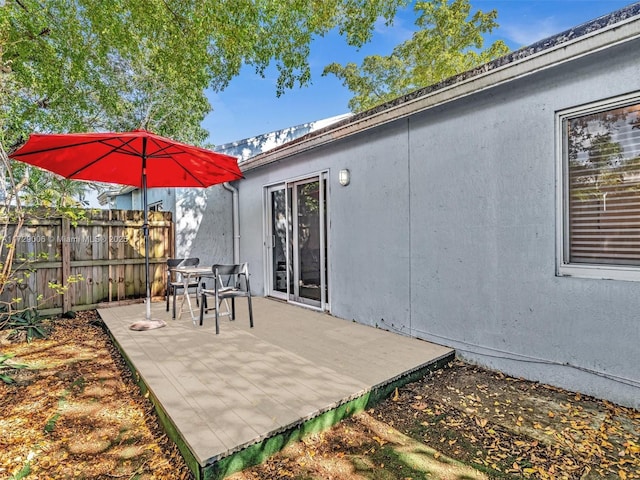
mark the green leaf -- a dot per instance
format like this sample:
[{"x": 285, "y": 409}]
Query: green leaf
[{"x": 449, "y": 41}]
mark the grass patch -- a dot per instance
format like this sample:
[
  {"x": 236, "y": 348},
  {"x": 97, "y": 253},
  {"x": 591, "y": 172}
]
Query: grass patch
[
  {"x": 51, "y": 423},
  {"x": 24, "y": 471}
]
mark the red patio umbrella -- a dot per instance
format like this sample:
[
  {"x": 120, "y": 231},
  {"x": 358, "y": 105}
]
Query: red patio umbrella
[{"x": 138, "y": 158}]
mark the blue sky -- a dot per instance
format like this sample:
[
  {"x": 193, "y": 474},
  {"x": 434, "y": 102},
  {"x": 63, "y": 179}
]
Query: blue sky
[{"x": 249, "y": 106}]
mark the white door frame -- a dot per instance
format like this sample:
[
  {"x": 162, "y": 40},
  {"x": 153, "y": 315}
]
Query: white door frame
[{"x": 292, "y": 293}]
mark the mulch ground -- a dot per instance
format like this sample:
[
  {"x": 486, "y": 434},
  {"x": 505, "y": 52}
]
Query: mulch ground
[
  {"x": 464, "y": 422},
  {"x": 75, "y": 412}
]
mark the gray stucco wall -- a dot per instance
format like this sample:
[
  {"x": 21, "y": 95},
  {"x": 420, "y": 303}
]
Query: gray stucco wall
[
  {"x": 204, "y": 224},
  {"x": 124, "y": 202},
  {"x": 203, "y": 220},
  {"x": 484, "y": 253},
  {"x": 447, "y": 232},
  {"x": 165, "y": 195}
]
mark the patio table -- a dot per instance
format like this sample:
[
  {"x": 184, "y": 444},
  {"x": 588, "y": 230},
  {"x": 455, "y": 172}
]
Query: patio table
[{"x": 188, "y": 274}]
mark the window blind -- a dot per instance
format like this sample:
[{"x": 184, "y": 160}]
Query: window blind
[{"x": 603, "y": 194}]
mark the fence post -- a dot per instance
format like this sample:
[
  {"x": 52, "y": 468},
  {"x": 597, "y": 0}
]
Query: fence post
[
  {"x": 109, "y": 256},
  {"x": 66, "y": 262}
]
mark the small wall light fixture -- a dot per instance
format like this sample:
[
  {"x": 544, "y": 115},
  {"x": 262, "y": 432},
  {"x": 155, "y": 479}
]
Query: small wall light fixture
[{"x": 344, "y": 177}]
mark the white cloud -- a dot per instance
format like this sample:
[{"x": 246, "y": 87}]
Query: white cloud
[
  {"x": 526, "y": 34},
  {"x": 397, "y": 32}
]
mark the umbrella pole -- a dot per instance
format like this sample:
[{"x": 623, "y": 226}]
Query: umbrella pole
[
  {"x": 145, "y": 228},
  {"x": 147, "y": 324}
]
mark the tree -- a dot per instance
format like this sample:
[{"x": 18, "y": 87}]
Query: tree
[
  {"x": 449, "y": 41},
  {"x": 87, "y": 65},
  {"x": 81, "y": 66}
]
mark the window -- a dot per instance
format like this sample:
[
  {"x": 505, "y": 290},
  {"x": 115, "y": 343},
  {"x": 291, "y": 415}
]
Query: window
[
  {"x": 155, "y": 206},
  {"x": 600, "y": 210}
]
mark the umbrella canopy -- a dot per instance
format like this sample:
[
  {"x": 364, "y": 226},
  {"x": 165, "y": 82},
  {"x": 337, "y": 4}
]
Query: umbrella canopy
[
  {"x": 121, "y": 158},
  {"x": 138, "y": 158}
]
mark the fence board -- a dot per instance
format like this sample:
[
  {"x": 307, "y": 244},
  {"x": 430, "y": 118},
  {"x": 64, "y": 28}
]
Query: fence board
[{"x": 106, "y": 249}]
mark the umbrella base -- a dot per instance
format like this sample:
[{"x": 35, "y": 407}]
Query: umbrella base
[{"x": 143, "y": 325}]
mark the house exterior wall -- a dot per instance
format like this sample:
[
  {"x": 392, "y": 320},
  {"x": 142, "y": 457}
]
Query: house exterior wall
[
  {"x": 124, "y": 202},
  {"x": 447, "y": 232},
  {"x": 204, "y": 224},
  {"x": 375, "y": 226},
  {"x": 484, "y": 254},
  {"x": 210, "y": 240},
  {"x": 134, "y": 199}
]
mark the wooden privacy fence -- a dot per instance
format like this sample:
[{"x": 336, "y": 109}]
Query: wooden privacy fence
[{"x": 104, "y": 252}]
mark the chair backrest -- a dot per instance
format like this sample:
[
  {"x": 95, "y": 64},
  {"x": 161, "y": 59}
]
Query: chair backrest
[
  {"x": 180, "y": 262},
  {"x": 226, "y": 274}
]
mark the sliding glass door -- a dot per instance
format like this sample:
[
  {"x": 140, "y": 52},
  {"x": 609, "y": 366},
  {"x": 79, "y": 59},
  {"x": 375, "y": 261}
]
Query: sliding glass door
[
  {"x": 278, "y": 233},
  {"x": 296, "y": 241}
]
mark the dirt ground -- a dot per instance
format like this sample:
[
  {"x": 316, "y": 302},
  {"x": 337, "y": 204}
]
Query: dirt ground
[
  {"x": 463, "y": 422},
  {"x": 76, "y": 413}
]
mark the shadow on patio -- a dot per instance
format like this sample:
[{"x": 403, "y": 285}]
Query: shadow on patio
[{"x": 231, "y": 400}]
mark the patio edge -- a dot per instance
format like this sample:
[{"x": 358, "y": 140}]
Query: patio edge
[{"x": 256, "y": 453}]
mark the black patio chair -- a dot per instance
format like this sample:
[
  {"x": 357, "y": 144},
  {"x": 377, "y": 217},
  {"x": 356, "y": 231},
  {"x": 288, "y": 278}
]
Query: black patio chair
[
  {"x": 175, "y": 283},
  {"x": 230, "y": 281}
]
